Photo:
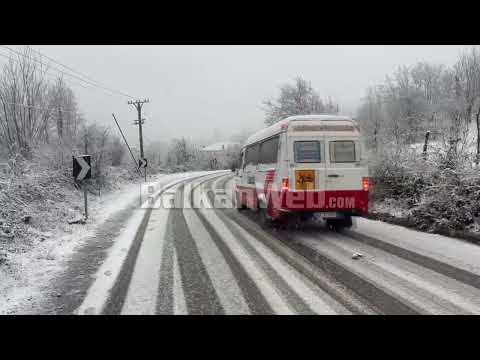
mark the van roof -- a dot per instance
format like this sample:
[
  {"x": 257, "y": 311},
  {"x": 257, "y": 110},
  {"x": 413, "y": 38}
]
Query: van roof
[
  {"x": 277, "y": 127},
  {"x": 220, "y": 146}
]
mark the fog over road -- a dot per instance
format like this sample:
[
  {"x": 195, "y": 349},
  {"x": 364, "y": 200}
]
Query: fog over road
[{"x": 211, "y": 259}]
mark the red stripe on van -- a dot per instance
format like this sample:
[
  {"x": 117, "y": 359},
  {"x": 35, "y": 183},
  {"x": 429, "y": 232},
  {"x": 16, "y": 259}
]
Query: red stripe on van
[
  {"x": 339, "y": 200},
  {"x": 269, "y": 179},
  {"x": 348, "y": 201}
]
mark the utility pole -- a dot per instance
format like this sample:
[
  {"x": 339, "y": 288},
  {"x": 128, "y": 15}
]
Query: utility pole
[{"x": 138, "y": 105}]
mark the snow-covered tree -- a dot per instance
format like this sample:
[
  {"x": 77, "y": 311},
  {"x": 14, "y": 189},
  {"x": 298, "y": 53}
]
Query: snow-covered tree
[
  {"x": 467, "y": 70},
  {"x": 117, "y": 151},
  {"x": 416, "y": 99},
  {"x": 182, "y": 155},
  {"x": 297, "y": 99},
  {"x": 33, "y": 109}
]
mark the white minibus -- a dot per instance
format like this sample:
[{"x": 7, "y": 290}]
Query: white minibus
[{"x": 304, "y": 165}]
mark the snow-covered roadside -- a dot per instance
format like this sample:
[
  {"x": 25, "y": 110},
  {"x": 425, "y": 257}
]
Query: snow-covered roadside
[{"x": 27, "y": 276}]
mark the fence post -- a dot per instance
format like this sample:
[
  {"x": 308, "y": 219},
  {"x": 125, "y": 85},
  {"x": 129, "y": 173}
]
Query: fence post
[{"x": 427, "y": 135}]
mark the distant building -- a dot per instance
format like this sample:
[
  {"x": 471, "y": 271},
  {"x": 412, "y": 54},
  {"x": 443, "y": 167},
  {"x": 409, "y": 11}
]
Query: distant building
[{"x": 220, "y": 155}]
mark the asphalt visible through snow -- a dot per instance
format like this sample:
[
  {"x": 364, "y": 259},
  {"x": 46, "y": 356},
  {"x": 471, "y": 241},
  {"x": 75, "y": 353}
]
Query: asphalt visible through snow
[{"x": 213, "y": 259}]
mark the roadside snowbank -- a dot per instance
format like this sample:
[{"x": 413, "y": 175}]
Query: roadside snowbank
[{"x": 27, "y": 274}]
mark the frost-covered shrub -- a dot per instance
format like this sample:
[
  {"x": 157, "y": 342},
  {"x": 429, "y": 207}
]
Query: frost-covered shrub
[
  {"x": 451, "y": 202},
  {"x": 441, "y": 191},
  {"x": 399, "y": 175}
]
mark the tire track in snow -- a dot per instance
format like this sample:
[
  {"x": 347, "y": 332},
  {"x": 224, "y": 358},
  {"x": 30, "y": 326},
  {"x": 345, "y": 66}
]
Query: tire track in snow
[
  {"x": 165, "y": 299},
  {"x": 397, "y": 287},
  {"x": 339, "y": 296},
  {"x": 262, "y": 294},
  {"x": 435, "y": 291},
  {"x": 396, "y": 279},
  {"x": 276, "y": 277},
  {"x": 179, "y": 304},
  {"x": 200, "y": 295},
  {"x": 107, "y": 293},
  {"x": 240, "y": 267},
  {"x": 451, "y": 271},
  {"x": 254, "y": 297},
  {"x": 224, "y": 281},
  {"x": 141, "y": 294}
]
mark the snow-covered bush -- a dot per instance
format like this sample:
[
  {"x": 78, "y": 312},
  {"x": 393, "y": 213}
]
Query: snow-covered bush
[
  {"x": 452, "y": 198},
  {"x": 182, "y": 155},
  {"x": 400, "y": 175},
  {"x": 439, "y": 192}
]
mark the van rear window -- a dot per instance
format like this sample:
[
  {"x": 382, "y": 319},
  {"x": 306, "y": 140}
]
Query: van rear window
[
  {"x": 307, "y": 151},
  {"x": 342, "y": 151}
]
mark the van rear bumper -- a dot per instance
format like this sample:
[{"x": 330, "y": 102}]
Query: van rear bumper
[
  {"x": 345, "y": 201},
  {"x": 354, "y": 202}
]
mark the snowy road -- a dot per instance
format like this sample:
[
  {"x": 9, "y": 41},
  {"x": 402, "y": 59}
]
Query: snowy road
[{"x": 204, "y": 260}]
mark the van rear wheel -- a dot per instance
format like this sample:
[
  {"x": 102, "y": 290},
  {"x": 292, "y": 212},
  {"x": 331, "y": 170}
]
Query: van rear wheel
[
  {"x": 264, "y": 218},
  {"x": 340, "y": 224},
  {"x": 241, "y": 207},
  {"x": 238, "y": 205},
  {"x": 267, "y": 220}
]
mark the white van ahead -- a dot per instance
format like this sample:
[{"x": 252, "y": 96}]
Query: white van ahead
[{"x": 304, "y": 165}]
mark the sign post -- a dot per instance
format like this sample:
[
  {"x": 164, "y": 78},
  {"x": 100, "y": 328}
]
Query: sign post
[
  {"x": 142, "y": 162},
  {"x": 81, "y": 171},
  {"x": 85, "y": 201}
]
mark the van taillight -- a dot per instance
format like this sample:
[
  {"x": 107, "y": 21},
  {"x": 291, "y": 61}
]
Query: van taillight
[
  {"x": 285, "y": 185},
  {"x": 366, "y": 183}
]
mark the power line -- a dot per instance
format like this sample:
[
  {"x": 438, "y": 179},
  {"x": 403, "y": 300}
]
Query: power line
[
  {"x": 69, "y": 74},
  {"x": 52, "y": 76},
  {"x": 65, "y": 66},
  {"x": 36, "y": 60},
  {"x": 65, "y": 73},
  {"x": 78, "y": 72},
  {"x": 38, "y": 108}
]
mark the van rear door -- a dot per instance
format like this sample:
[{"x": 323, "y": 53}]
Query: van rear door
[
  {"x": 344, "y": 170},
  {"x": 307, "y": 170}
]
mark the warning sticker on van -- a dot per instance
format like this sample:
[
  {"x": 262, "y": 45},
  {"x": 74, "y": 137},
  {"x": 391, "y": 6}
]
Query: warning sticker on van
[{"x": 305, "y": 179}]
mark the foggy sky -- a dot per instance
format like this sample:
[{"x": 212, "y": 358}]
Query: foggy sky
[{"x": 196, "y": 91}]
